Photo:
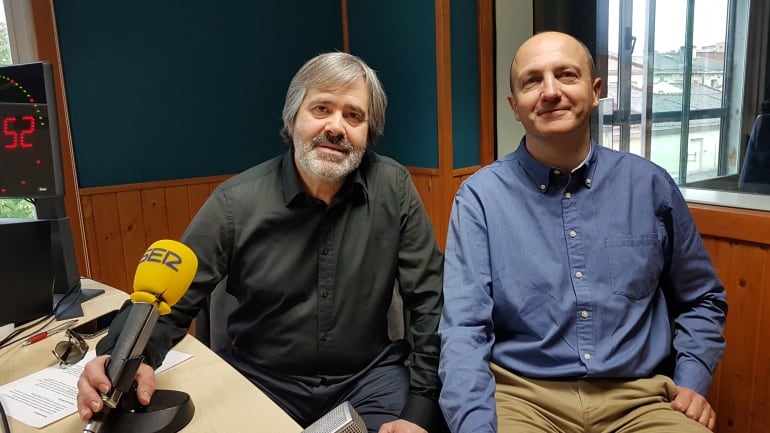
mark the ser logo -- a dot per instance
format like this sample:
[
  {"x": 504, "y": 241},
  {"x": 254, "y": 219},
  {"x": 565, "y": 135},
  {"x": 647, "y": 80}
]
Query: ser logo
[{"x": 163, "y": 256}]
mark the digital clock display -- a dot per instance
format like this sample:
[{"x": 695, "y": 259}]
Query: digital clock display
[{"x": 30, "y": 164}]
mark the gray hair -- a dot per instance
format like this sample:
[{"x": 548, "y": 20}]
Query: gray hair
[{"x": 335, "y": 70}]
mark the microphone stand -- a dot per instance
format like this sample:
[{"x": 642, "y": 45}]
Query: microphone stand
[{"x": 168, "y": 412}]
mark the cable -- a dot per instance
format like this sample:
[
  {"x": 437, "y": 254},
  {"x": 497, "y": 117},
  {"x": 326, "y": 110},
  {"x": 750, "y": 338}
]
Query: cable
[
  {"x": 5, "y": 342},
  {"x": 6, "y": 426},
  {"x": 48, "y": 318}
]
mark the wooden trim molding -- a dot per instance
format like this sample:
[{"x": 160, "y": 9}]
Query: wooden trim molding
[
  {"x": 465, "y": 171},
  {"x": 44, "y": 21},
  {"x": 345, "y": 26},
  {"x": 444, "y": 116},
  {"x": 423, "y": 170},
  {"x": 151, "y": 185},
  {"x": 732, "y": 223},
  {"x": 486, "y": 36}
]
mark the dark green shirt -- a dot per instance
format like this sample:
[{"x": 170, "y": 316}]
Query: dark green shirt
[{"x": 314, "y": 282}]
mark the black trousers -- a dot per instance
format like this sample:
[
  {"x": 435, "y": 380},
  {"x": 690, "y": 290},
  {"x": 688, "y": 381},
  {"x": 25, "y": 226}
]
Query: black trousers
[{"x": 378, "y": 392}]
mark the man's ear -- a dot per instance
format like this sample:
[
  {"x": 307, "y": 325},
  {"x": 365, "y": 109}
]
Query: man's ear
[
  {"x": 597, "y": 91},
  {"x": 514, "y": 106}
]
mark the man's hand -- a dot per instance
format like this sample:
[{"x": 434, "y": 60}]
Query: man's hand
[
  {"x": 695, "y": 406},
  {"x": 401, "y": 426},
  {"x": 94, "y": 380}
]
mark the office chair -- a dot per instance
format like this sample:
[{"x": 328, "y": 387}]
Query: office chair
[
  {"x": 756, "y": 162},
  {"x": 211, "y": 323}
]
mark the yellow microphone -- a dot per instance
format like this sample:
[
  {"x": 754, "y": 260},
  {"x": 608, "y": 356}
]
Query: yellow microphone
[{"x": 163, "y": 275}]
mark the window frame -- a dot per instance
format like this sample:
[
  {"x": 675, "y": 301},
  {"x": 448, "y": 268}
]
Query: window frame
[
  {"x": 18, "y": 16},
  {"x": 733, "y": 123},
  {"x": 18, "y": 19}
]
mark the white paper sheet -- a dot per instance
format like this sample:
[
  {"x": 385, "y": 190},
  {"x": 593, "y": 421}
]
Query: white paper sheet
[{"x": 51, "y": 394}]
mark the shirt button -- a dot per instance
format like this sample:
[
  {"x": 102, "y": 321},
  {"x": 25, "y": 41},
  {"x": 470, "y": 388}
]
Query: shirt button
[
  {"x": 324, "y": 294},
  {"x": 324, "y": 337},
  {"x": 542, "y": 187},
  {"x": 325, "y": 251},
  {"x": 572, "y": 233},
  {"x": 568, "y": 195},
  {"x": 584, "y": 314},
  {"x": 587, "y": 356},
  {"x": 557, "y": 172},
  {"x": 579, "y": 274},
  {"x": 588, "y": 181}
]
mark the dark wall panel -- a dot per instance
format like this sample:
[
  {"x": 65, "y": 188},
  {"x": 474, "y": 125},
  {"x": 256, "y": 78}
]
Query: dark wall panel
[
  {"x": 465, "y": 84},
  {"x": 398, "y": 39},
  {"x": 162, "y": 90}
]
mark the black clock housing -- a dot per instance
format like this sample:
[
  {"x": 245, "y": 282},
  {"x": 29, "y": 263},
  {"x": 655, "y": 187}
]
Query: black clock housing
[{"x": 30, "y": 156}]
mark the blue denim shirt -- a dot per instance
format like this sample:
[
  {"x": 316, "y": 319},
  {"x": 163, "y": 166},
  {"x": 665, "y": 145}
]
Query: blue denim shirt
[{"x": 552, "y": 274}]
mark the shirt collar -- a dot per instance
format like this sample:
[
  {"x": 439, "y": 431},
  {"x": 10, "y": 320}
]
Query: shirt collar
[
  {"x": 541, "y": 173},
  {"x": 293, "y": 194}
]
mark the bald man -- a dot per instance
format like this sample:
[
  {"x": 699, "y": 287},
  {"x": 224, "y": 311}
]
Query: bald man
[{"x": 572, "y": 273}]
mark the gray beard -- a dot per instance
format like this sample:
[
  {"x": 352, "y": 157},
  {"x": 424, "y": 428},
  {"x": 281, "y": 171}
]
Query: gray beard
[{"x": 326, "y": 166}]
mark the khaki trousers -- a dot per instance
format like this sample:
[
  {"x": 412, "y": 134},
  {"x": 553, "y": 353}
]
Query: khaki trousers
[{"x": 588, "y": 405}]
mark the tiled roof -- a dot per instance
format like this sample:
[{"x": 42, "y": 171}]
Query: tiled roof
[
  {"x": 670, "y": 98},
  {"x": 673, "y": 63}
]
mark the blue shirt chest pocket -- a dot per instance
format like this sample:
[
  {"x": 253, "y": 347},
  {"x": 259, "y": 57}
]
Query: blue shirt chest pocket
[{"x": 635, "y": 263}]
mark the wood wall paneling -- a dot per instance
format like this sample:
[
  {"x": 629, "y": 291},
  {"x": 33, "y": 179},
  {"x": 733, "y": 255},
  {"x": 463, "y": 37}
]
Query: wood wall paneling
[
  {"x": 731, "y": 223},
  {"x": 178, "y": 208},
  {"x": 109, "y": 244},
  {"x": 427, "y": 182},
  {"x": 132, "y": 228},
  {"x": 154, "y": 213},
  {"x": 89, "y": 227},
  {"x": 738, "y": 243},
  {"x": 719, "y": 251},
  {"x": 437, "y": 200},
  {"x": 121, "y": 222},
  {"x": 196, "y": 196},
  {"x": 760, "y": 411},
  {"x": 738, "y": 366}
]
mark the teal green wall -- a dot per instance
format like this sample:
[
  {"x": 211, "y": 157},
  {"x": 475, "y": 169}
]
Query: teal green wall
[
  {"x": 160, "y": 90},
  {"x": 465, "y": 84},
  {"x": 398, "y": 39}
]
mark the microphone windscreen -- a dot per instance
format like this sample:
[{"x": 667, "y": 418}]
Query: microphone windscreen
[
  {"x": 341, "y": 419},
  {"x": 164, "y": 273}
]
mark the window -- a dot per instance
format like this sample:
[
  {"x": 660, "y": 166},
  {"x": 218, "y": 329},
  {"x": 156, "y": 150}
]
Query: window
[
  {"x": 675, "y": 87},
  {"x": 11, "y": 208}
]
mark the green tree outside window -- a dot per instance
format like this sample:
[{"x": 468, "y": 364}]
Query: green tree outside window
[{"x": 11, "y": 207}]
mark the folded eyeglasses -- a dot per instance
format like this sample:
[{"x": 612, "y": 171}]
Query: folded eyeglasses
[{"x": 72, "y": 350}]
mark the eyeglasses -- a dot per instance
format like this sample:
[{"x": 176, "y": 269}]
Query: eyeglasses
[{"x": 71, "y": 351}]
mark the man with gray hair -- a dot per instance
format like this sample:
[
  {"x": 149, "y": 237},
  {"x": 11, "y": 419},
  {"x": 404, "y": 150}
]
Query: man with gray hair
[{"x": 312, "y": 243}]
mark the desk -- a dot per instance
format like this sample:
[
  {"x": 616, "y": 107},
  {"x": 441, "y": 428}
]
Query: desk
[{"x": 224, "y": 400}]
